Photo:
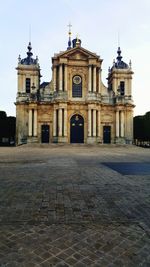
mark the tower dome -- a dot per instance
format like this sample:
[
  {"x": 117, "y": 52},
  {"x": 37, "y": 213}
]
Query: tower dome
[
  {"x": 29, "y": 60},
  {"x": 120, "y": 64}
]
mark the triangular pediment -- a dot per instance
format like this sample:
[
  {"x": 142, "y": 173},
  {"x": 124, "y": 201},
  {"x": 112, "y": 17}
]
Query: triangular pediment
[{"x": 78, "y": 53}]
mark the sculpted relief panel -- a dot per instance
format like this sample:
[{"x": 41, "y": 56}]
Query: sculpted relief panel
[
  {"x": 78, "y": 56},
  {"x": 107, "y": 118}
]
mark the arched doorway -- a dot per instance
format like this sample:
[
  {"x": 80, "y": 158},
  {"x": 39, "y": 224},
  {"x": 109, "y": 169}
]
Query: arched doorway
[
  {"x": 45, "y": 133},
  {"x": 77, "y": 129}
]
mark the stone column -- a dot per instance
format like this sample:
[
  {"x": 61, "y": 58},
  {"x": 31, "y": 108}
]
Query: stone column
[
  {"x": 94, "y": 79},
  {"x": 22, "y": 83},
  {"x": 122, "y": 123},
  {"x": 99, "y": 81},
  {"x": 60, "y": 77},
  {"x": 65, "y": 122},
  {"x": 99, "y": 123},
  {"x": 129, "y": 87},
  {"x": 60, "y": 122},
  {"x": 66, "y": 76},
  {"x": 89, "y": 81},
  {"x": 115, "y": 86},
  {"x": 35, "y": 122},
  {"x": 117, "y": 123},
  {"x": 130, "y": 125},
  {"x": 37, "y": 83},
  {"x": 54, "y": 122},
  {"x": 89, "y": 122},
  {"x": 54, "y": 77},
  {"x": 94, "y": 122},
  {"x": 30, "y": 122}
]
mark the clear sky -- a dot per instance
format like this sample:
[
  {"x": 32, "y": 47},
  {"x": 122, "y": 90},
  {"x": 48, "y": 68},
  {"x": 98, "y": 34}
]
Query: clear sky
[{"x": 96, "y": 21}]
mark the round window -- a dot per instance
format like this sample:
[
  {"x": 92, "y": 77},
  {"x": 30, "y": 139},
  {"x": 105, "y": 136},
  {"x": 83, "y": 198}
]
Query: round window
[{"x": 77, "y": 79}]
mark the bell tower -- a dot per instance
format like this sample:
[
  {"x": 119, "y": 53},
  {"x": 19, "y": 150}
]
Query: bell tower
[
  {"x": 28, "y": 71},
  {"x": 120, "y": 77},
  {"x": 28, "y": 74},
  {"x": 120, "y": 85}
]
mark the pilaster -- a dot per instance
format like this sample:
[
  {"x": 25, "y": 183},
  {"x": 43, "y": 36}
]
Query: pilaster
[
  {"x": 54, "y": 77},
  {"x": 35, "y": 122},
  {"x": 60, "y": 122},
  {"x": 89, "y": 122},
  {"x": 66, "y": 78},
  {"x": 94, "y": 122},
  {"x": 117, "y": 123},
  {"x": 54, "y": 122},
  {"x": 65, "y": 122},
  {"x": 89, "y": 79},
  {"x": 94, "y": 79},
  {"x": 30, "y": 123},
  {"x": 122, "y": 123},
  {"x": 60, "y": 77}
]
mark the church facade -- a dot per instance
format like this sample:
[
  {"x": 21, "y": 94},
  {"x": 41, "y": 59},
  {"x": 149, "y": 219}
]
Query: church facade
[{"x": 75, "y": 106}]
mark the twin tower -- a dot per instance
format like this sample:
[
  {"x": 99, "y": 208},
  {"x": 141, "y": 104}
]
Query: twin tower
[{"x": 75, "y": 106}]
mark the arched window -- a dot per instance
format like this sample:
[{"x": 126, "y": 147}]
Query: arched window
[
  {"x": 76, "y": 86},
  {"x": 122, "y": 87},
  {"x": 28, "y": 85}
]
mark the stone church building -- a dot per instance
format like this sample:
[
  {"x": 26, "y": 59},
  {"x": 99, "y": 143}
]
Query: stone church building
[{"x": 75, "y": 106}]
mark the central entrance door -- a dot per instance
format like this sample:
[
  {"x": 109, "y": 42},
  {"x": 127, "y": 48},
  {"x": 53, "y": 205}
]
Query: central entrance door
[
  {"x": 77, "y": 129},
  {"x": 45, "y": 133},
  {"x": 107, "y": 134}
]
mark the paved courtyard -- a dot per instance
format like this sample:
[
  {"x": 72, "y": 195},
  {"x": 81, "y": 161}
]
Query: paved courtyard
[{"x": 74, "y": 205}]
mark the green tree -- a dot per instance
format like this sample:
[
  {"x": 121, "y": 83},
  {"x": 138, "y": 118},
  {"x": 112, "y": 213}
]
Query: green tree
[
  {"x": 3, "y": 125},
  {"x": 11, "y": 128},
  {"x": 7, "y": 128},
  {"x": 3, "y": 115},
  {"x": 138, "y": 127},
  {"x": 147, "y": 126},
  {"x": 142, "y": 127}
]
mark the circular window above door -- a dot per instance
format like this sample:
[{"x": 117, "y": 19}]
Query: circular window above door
[{"x": 77, "y": 79}]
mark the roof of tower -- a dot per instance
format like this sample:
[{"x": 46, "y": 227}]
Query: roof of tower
[
  {"x": 44, "y": 84},
  {"x": 120, "y": 64},
  {"x": 76, "y": 42},
  {"x": 29, "y": 60}
]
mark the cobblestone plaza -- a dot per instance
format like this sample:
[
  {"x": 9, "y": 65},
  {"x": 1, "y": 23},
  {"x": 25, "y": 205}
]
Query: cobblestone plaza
[{"x": 74, "y": 205}]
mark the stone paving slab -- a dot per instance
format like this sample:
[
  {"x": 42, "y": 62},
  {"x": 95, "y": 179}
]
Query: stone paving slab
[
  {"x": 74, "y": 245},
  {"x": 63, "y": 206}
]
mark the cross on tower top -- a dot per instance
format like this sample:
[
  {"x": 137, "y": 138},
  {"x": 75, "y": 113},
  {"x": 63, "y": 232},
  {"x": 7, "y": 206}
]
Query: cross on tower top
[
  {"x": 69, "y": 28},
  {"x": 69, "y": 41}
]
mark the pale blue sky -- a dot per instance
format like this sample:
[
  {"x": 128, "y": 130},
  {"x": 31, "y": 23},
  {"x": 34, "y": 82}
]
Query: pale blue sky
[{"x": 96, "y": 21}]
